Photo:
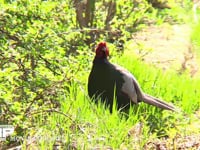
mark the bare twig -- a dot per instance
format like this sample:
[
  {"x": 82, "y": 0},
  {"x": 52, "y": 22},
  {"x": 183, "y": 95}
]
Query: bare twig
[
  {"x": 89, "y": 12},
  {"x": 49, "y": 111},
  {"x": 79, "y": 13},
  {"x": 89, "y": 30},
  {"x": 48, "y": 64},
  {"x": 111, "y": 13}
]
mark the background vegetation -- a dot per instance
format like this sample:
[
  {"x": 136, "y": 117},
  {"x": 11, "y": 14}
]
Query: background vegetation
[{"x": 46, "y": 53}]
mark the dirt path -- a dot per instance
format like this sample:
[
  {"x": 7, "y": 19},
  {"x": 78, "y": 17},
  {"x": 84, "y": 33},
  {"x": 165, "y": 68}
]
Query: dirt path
[{"x": 168, "y": 46}]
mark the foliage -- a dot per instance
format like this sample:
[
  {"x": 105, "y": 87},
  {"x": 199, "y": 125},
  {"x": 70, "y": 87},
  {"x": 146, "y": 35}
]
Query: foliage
[
  {"x": 35, "y": 68},
  {"x": 38, "y": 40}
]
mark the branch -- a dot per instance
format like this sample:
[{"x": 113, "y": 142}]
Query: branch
[
  {"x": 50, "y": 110},
  {"x": 111, "y": 13},
  {"x": 48, "y": 64}
]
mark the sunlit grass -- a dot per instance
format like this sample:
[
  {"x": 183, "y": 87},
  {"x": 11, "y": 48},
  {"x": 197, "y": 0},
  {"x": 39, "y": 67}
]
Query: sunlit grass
[
  {"x": 85, "y": 125},
  {"x": 196, "y": 38}
]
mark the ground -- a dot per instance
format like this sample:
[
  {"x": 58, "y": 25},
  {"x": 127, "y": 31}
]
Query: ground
[{"x": 169, "y": 46}]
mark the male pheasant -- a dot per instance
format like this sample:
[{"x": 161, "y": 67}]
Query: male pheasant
[{"x": 107, "y": 80}]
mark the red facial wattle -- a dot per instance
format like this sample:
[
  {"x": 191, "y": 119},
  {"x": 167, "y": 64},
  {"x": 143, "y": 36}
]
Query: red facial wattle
[{"x": 102, "y": 50}]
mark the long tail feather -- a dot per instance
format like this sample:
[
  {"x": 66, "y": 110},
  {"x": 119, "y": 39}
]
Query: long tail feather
[{"x": 157, "y": 102}]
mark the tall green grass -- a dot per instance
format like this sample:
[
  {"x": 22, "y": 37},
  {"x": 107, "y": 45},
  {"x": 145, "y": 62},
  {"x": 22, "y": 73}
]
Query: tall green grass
[
  {"x": 81, "y": 124},
  {"x": 182, "y": 90},
  {"x": 196, "y": 38}
]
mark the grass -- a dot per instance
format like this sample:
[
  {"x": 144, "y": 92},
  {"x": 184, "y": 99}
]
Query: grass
[
  {"x": 80, "y": 124},
  {"x": 196, "y": 38}
]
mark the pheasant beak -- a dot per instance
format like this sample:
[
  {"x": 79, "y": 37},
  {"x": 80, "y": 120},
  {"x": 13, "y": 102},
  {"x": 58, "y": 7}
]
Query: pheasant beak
[{"x": 104, "y": 49}]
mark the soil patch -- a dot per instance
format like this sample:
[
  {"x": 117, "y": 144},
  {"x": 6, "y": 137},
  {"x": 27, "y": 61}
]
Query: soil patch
[{"x": 167, "y": 46}]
